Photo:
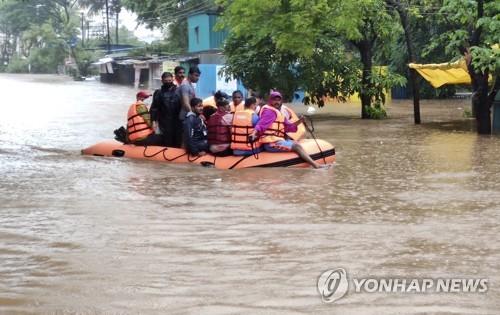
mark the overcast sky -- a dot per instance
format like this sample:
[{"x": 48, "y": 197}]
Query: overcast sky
[{"x": 128, "y": 19}]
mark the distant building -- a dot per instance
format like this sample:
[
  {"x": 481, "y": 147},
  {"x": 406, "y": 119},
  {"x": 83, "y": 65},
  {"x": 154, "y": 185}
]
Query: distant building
[
  {"x": 205, "y": 47},
  {"x": 204, "y": 50},
  {"x": 202, "y": 36},
  {"x": 134, "y": 71}
]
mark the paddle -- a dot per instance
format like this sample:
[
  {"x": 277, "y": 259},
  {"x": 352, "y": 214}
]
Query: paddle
[{"x": 309, "y": 113}]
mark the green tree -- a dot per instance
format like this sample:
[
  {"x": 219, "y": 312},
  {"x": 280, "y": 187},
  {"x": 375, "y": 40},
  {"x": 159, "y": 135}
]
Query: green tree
[
  {"x": 300, "y": 28},
  {"x": 96, "y": 7},
  {"x": 46, "y": 49},
  {"x": 17, "y": 17},
  {"x": 472, "y": 28},
  {"x": 170, "y": 15},
  {"x": 45, "y": 28},
  {"x": 262, "y": 66}
]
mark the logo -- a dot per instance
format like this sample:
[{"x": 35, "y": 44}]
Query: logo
[{"x": 333, "y": 285}]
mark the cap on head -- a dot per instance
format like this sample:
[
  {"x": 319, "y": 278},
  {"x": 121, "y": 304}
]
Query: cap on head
[
  {"x": 275, "y": 94},
  {"x": 142, "y": 94}
]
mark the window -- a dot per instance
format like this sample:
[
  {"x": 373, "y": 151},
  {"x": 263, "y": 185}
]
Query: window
[{"x": 197, "y": 34}]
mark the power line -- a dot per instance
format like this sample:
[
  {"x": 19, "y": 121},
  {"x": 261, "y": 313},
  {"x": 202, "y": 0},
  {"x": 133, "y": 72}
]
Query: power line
[
  {"x": 164, "y": 7},
  {"x": 185, "y": 13}
]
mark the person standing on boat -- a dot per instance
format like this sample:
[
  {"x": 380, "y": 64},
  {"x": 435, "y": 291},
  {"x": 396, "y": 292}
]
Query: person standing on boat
[
  {"x": 219, "y": 126},
  {"x": 195, "y": 130},
  {"x": 272, "y": 127},
  {"x": 139, "y": 126},
  {"x": 179, "y": 73},
  {"x": 186, "y": 91},
  {"x": 165, "y": 110}
]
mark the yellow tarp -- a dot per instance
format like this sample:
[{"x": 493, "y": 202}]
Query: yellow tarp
[{"x": 439, "y": 74}]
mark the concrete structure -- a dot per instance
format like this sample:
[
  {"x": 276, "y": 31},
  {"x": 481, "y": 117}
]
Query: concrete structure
[
  {"x": 205, "y": 51},
  {"x": 135, "y": 71},
  {"x": 205, "y": 47},
  {"x": 202, "y": 35}
]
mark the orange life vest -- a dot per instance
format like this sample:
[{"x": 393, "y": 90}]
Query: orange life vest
[
  {"x": 276, "y": 131},
  {"x": 241, "y": 129},
  {"x": 137, "y": 128},
  {"x": 239, "y": 107},
  {"x": 288, "y": 114}
]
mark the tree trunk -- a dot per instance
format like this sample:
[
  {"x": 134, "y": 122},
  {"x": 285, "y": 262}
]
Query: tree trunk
[
  {"x": 416, "y": 96},
  {"x": 365, "y": 49},
  {"x": 116, "y": 27},
  {"x": 6, "y": 49},
  {"x": 107, "y": 29},
  {"x": 403, "y": 16},
  {"x": 480, "y": 100}
]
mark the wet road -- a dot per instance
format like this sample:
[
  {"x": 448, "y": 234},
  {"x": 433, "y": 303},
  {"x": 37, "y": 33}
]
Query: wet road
[{"x": 93, "y": 235}]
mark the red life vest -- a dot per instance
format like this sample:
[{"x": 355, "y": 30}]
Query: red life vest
[
  {"x": 219, "y": 130},
  {"x": 241, "y": 129},
  {"x": 137, "y": 128},
  {"x": 276, "y": 131}
]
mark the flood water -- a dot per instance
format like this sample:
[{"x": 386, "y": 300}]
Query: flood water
[{"x": 93, "y": 235}]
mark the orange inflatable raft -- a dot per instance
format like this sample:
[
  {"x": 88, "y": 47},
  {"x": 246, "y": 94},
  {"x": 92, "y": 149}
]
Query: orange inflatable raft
[{"x": 321, "y": 151}]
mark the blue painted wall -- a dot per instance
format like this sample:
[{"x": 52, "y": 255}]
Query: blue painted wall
[
  {"x": 198, "y": 33},
  {"x": 216, "y": 38},
  {"x": 207, "y": 84},
  {"x": 201, "y": 34}
]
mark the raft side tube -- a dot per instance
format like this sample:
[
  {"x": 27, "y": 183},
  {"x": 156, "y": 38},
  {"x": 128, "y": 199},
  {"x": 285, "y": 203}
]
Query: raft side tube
[{"x": 322, "y": 152}]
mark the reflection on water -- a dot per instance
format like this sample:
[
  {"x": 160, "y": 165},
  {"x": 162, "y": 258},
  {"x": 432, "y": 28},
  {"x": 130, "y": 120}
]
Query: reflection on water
[{"x": 83, "y": 234}]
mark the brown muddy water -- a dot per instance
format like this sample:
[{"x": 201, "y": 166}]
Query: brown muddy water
[{"x": 90, "y": 235}]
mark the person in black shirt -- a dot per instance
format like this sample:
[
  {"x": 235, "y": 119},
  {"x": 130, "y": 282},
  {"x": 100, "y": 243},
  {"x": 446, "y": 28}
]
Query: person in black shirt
[
  {"x": 165, "y": 110},
  {"x": 195, "y": 130}
]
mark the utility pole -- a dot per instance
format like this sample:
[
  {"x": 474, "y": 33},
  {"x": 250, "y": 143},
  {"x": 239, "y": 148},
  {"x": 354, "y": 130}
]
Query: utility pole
[
  {"x": 116, "y": 28},
  {"x": 88, "y": 31},
  {"x": 83, "y": 31},
  {"x": 107, "y": 26}
]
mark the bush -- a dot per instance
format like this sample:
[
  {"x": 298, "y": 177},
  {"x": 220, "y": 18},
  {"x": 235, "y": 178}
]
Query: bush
[
  {"x": 377, "y": 111},
  {"x": 84, "y": 59},
  {"x": 17, "y": 65},
  {"x": 468, "y": 113},
  {"x": 46, "y": 60}
]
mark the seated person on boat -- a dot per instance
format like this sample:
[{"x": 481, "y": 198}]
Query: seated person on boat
[
  {"x": 195, "y": 130},
  {"x": 244, "y": 122},
  {"x": 139, "y": 126},
  {"x": 272, "y": 127},
  {"x": 219, "y": 127}
]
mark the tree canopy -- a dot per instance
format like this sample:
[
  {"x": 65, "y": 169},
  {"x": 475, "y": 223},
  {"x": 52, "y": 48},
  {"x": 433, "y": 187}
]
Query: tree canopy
[
  {"x": 359, "y": 34},
  {"x": 169, "y": 15},
  {"x": 326, "y": 36}
]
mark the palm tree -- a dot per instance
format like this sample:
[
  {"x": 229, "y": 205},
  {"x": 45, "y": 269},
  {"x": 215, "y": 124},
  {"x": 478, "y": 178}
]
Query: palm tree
[{"x": 97, "y": 6}]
